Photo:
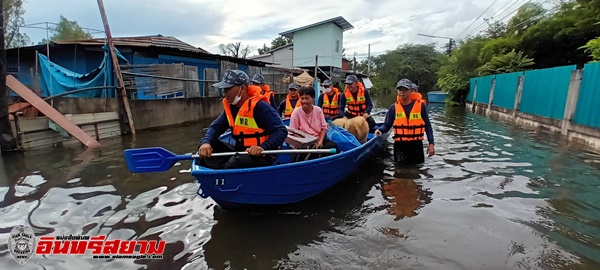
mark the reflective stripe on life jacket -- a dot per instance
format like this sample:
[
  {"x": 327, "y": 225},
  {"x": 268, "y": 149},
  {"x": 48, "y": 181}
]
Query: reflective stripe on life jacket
[
  {"x": 331, "y": 108},
  {"x": 356, "y": 107},
  {"x": 244, "y": 129},
  {"x": 288, "y": 107},
  {"x": 411, "y": 128}
]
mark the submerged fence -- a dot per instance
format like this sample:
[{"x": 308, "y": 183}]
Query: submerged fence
[{"x": 564, "y": 93}]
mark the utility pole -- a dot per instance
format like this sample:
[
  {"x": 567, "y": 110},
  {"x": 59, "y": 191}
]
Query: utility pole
[
  {"x": 123, "y": 101},
  {"x": 7, "y": 141},
  {"x": 369, "y": 61},
  {"x": 450, "y": 44},
  {"x": 316, "y": 82},
  {"x": 354, "y": 64}
]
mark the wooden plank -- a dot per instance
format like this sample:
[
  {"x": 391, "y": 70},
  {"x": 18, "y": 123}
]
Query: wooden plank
[
  {"x": 49, "y": 138},
  {"x": 33, "y": 124},
  {"x": 80, "y": 119},
  {"x": 49, "y": 111}
]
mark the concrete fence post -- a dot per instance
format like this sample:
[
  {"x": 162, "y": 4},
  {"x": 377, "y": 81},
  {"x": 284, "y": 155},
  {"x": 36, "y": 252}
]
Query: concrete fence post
[
  {"x": 518, "y": 96},
  {"x": 474, "y": 104},
  {"x": 492, "y": 90},
  {"x": 572, "y": 97}
]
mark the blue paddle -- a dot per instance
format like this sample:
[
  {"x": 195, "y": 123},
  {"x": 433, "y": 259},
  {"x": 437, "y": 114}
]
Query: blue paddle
[{"x": 158, "y": 159}]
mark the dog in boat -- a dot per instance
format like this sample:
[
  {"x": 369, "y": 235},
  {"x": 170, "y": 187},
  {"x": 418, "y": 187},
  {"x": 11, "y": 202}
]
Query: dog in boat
[{"x": 358, "y": 126}]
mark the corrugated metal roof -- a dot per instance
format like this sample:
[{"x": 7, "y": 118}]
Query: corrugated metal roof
[
  {"x": 144, "y": 41},
  {"x": 339, "y": 21}
]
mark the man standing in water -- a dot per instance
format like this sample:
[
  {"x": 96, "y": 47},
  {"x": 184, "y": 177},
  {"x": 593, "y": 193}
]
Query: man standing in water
[{"x": 409, "y": 128}]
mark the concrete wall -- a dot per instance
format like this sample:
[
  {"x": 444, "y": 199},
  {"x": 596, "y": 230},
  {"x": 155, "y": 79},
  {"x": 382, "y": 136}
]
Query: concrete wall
[
  {"x": 151, "y": 113},
  {"x": 282, "y": 58},
  {"x": 565, "y": 126}
]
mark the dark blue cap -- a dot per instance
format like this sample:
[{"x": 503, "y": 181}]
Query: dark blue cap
[
  {"x": 257, "y": 78},
  {"x": 406, "y": 83},
  {"x": 294, "y": 86},
  {"x": 327, "y": 82},
  {"x": 232, "y": 78},
  {"x": 351, "y": 79}
]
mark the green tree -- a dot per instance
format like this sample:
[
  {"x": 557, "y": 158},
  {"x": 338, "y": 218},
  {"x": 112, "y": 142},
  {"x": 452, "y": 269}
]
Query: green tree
[
  {"x": 593, "y": 48},
  {"x": 528, "y": 15},
  {"x": 67, "y": 30},
  {"x": 418, "y": 63},
  {"x": 13, "y": 19},
  {"x": 455, "y": 72},
  {"x": 275, "y": 43},
  {"x": 505, "y": 63}
]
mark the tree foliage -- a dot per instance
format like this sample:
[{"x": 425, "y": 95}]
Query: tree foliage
[
  {"x": 13, "y": 19},
  {"x": 67, "y": 30},
  {"x": 535, "y": 37},
  {"x": 234, "y": 49},
  {"x": 275, "y": 43},
  {"x": 418, "y": 63}
]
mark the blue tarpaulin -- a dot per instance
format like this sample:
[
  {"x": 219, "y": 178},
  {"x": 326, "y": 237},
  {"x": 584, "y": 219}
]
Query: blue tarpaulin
[{"x": 55, "y": 79}]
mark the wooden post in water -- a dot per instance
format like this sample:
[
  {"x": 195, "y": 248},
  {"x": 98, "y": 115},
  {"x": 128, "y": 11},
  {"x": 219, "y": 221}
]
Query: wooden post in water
[
  {"x": 316, "y": 82},
  {"x": 7, "y": 140},
  {"x": 123, "y": 101}
]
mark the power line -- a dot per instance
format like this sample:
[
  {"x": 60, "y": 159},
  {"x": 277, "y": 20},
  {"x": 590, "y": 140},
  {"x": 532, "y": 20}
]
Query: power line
[
  {"x": 477, "y": 18},
  {"x": 510, "y": 13}
]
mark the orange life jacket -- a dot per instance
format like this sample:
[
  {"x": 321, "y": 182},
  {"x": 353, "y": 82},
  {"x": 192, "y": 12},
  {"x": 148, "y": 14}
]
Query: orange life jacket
[
  {"x": 267, "y": 92},
  {"x": 244, "y": 129},
  {"x": 417, "y": 96},
  {"x": 331, "y": 108},
  {"x": 411, "y": 128},
  {"x": 356, "y": 107},
  {"x": 254, "y": 90},
  {"x": 288, "y": 107}
]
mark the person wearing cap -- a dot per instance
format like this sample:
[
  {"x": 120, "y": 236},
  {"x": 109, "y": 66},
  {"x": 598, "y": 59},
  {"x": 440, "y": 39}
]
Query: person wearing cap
[
  {"x": 358, "y": 100},
  {"x": 415, "y": 95},
  {"x": 255, "y": 126},
  {"x": 259, "y": 81},
  {"x": 291, "y": 101},
  {"x": 410, "y": 122},
  {"x": 329, "y": 100}
]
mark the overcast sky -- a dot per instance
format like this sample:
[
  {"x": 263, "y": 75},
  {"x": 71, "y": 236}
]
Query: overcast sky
[{"x": 384, "y": 24}]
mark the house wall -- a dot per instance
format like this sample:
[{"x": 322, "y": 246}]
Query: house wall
[
  {"x": 281, "y": 58},
  {"x": 319, "y": 40}
]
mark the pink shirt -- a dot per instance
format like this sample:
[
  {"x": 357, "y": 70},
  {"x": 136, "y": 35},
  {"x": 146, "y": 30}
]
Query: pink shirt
[{"x": 311, "y": 123}]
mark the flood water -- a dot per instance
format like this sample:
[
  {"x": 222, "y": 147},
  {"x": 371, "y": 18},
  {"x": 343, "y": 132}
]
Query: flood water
[{"x": 495, "y": 196}]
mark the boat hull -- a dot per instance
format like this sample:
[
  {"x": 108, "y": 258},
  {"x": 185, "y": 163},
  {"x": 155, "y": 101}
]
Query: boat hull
[
  {"x": 283, "y": 183},
  {"x": 436, "y": 97}
]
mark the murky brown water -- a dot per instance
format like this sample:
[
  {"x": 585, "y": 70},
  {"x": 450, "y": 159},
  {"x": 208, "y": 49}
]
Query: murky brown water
[{"x": 494, "y": 197}]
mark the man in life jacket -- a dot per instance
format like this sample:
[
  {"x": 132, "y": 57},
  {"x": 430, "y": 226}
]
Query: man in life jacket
[
  {"x": 358, "y": 100},
  {"x": 291, "y": 102},
  {"x": 329, "y": 101},
  {"x": 415, "y": 95},
  {"x": 259, "y": 80},
  {"x": 410, "y": 122},
  {"x": 255, "y": 126}
]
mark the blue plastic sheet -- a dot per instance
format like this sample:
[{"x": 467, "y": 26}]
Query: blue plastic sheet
[
  {"x": 344, "y": 139},
  {"x": 56, "y": 79}
]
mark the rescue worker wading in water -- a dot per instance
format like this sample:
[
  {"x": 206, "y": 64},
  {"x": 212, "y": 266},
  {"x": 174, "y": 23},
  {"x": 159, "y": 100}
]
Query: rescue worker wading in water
[
  {"x": 358, "y": 100},
  {"x": 265, "y": 89},
  {"x": 410, "y": 122},
  {"x": 255, "y": 126},
  {"x": 291, "y": 102},
  {"x": 329, "y": 101}
]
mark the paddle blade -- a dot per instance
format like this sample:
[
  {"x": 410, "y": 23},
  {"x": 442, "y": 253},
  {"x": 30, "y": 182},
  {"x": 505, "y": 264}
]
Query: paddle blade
[{"x": 152, "y": 159}]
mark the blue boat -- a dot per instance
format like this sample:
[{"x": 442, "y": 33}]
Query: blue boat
[
  {"x": 436, "y": 97},
  {"x": 284, "y": 183}
]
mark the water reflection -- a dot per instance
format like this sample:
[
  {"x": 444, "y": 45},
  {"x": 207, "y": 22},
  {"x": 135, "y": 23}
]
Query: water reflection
[
  {"x": 404, "y": 193},
  {"x": 263, "y": 239}
]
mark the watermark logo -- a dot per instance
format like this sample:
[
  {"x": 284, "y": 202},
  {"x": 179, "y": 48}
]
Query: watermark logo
[{"x": 21, "y": 243}]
